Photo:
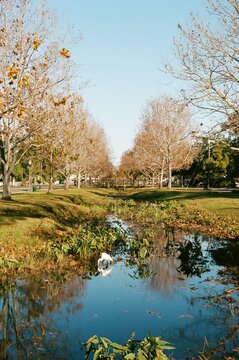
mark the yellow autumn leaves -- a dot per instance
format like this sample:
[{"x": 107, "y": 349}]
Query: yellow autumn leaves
[
  {"x": 24, "y": 82},
  {"x": 16, "y": 77},
  {"x": 66, "y": 53},
  {"x": 13, "y": 73}
]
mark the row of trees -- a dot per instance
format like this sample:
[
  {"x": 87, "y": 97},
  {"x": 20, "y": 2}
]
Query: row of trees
[
  {"x": 42, "y": 119},
  {"x": 40, "y": 115},
  {"x": 163, "y": 143}
]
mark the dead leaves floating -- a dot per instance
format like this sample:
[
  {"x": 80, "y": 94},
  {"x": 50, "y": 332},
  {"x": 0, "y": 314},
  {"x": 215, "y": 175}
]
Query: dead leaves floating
[{"x": 66, "y": 53}]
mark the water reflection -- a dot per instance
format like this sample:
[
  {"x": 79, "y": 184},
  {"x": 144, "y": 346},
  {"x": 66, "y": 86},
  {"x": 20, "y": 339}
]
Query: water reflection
[
  {"x": 27, "y": 312},
  {"x": 46, "y": 318},
  {"x": 165, "y": 276}
]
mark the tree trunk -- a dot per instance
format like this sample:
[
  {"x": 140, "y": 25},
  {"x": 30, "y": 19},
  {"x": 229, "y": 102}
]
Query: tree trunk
[
  {"x": 79, "y": 180},
  {"x": 161, "y": 178},
  {"x": 86, "y": 180},
  {"x": 67, "y": 183},
  {"x": 6, "y": 194},
  {"x": 50, "y": 185},
  {"x": 153, "y": 182},
  {"x": 169, "y": 176}
]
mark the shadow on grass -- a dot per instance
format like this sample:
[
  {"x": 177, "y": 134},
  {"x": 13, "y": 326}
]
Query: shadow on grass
[
  {"x": 58, "y": 208},
  {"x": 166, "y": 195},
  {"x": 63, "y": 207}
]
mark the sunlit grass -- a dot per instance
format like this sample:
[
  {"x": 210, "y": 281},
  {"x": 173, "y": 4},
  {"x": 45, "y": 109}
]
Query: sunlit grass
[{"x": 219, "y": 202}]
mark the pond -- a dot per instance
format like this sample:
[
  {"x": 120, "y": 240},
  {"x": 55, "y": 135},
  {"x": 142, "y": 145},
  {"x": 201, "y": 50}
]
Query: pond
[{"x": 186, "y": 295}]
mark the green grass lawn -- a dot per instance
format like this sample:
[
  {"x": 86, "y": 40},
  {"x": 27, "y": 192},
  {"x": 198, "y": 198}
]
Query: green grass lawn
[
  {"x": 21, "y": 217},
  {"x": 27, "y": 211},
  {"x": 223, "y": 202}
]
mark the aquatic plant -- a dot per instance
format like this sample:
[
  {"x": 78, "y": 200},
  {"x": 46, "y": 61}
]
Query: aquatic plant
[
  {"x": 192, "y": 260},
  {"x": 87, "y": 240},
  {"x": 148, "y": 348}
]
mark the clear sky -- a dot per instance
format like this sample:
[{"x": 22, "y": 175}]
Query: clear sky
[{"x": 124, "y": 44}]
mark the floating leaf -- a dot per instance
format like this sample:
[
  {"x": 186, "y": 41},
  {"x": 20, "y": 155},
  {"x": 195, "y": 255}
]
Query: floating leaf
[
  {"x": 129, "y": 357},
  {"x": 118, "y": 346},
  {"x": 141, "y": 355},
  {"x": 230, "y": 291},
  {"x": 97, "y": 353}
]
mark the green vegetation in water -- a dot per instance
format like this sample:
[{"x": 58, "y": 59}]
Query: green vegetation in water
[
  {"x": 148, "y": 348},
  {"x": 87, "y": 240},
  {"x": 191, "y": 257}
]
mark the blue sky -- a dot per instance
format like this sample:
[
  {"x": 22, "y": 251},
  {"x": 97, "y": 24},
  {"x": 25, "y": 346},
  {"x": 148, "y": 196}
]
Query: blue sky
[{"x": 125, "y": 42}]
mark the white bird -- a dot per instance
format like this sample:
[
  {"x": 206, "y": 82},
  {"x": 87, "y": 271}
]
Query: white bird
[
  {"x": 104, "y": 263},
  {"x": 105, "y": 258}
]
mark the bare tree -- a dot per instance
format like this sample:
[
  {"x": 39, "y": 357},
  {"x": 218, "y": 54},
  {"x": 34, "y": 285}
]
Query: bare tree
[
  {"x": 208, "y": 57},
  {"x": 99, "y": 159},
  {"x": 128, "y": 166},
  {"x": 148, "y": 160},
  {"x": 164, "y": 141}
]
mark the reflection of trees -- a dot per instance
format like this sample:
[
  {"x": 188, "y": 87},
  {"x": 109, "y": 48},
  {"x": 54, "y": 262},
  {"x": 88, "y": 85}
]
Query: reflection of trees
[
  {"x": 162, "y": 263},
  {"x": 164, "y": 273},
  {"x": 226, "y": 255},
  {"x": 26, "y": 328},
  {"x": 39, "y": 296}
]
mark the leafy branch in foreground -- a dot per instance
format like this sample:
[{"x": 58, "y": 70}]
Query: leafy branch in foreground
[{"x": 148, "y": 348}]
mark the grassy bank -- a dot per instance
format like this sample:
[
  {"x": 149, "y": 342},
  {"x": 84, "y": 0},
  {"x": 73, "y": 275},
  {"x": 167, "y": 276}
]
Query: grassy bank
[
  {"x": 38, "y": 230},
  {"x": 213, "y": 213}
]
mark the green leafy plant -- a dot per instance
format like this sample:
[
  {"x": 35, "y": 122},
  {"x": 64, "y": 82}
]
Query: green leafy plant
[
  {"x": 148, "y": 348},
  {"x": 87, "y": 240},
  {"x": 192, "y": 260}
]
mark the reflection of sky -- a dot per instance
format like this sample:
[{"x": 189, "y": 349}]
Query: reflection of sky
[{"x": 118, "y": 305}]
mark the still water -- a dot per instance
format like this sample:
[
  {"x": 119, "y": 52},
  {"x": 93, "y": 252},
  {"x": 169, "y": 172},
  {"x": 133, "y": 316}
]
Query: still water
[{"x": 49, "y": 318}]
